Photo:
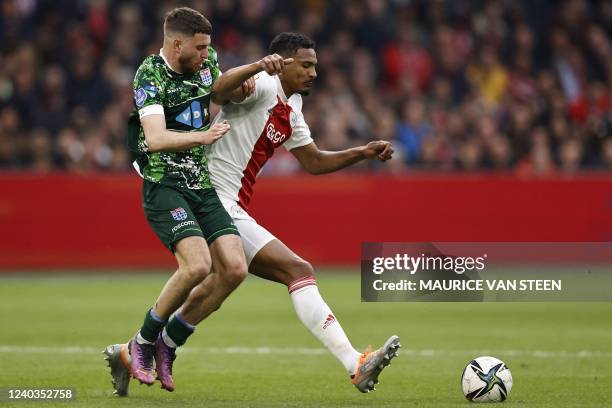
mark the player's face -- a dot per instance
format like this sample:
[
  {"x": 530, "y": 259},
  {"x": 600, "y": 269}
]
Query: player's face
[
  {"x": 301, "y": 73},
  {"x": 193, "y": 51}
]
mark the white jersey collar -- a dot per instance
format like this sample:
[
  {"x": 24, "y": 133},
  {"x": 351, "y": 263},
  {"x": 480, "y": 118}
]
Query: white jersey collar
[{"x": 280, "y": 90}]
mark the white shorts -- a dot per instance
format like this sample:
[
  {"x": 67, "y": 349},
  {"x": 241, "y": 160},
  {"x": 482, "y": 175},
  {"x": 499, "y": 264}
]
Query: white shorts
[{"x": 254, "y": 236}]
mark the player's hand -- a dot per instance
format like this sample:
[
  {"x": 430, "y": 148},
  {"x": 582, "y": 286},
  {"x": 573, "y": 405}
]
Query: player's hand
[
  {"x": 273, "y": 64},
  {"x": 379, "y": 149},
  {"x": 248, "y": 87},
  {"x": 216, "y": 132}
]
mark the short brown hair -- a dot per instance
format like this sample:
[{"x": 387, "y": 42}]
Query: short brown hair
[{"x": 187, "y": 21}]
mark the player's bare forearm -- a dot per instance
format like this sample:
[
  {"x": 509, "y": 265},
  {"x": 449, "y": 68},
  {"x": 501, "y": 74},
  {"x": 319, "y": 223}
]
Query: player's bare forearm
[
  {"x": 237, "y": 95},
  {"x": 316, "y": 161},
  {"x": 328, "y": 162},
  {"x": 170, "y": 141},
  {"x": 229, "y": 85},
  {"x": 234, "y": 84},
  {"x": 160, "y": 139}
]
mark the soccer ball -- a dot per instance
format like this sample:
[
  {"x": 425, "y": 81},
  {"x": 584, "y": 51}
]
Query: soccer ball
[{"x": 486, "y": 379}]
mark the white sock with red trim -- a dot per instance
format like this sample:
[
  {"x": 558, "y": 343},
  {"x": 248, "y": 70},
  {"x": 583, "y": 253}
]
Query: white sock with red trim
[{"x": 319, "y": 319}]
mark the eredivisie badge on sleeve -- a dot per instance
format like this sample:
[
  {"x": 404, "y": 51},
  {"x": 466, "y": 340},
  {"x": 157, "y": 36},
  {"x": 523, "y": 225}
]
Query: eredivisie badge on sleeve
[
  {"x": 140, "y": 96},
  {"x": 293, "y": 118},
  {"x": 206, "y": 76}
]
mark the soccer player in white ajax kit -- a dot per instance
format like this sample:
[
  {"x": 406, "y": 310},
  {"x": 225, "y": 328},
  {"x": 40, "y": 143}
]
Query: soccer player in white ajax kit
[{"x": 268, "y": 118}]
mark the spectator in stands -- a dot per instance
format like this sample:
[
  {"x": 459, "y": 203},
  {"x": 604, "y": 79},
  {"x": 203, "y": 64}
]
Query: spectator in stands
[{"x": 476, "y": 86}]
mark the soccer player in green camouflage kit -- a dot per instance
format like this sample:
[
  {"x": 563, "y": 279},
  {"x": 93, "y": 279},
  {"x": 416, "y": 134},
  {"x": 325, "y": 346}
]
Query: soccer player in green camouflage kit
[{"x": 170, "y": 133}]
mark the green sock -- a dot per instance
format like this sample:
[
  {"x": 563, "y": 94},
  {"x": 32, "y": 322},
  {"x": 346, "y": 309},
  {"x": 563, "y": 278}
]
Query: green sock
[
  {"x": 152, "y": 326},
  {"x": 179, "y": 330}
]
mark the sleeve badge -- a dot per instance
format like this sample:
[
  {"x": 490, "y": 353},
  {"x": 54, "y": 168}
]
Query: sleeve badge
[{"x": 140, "y": 96}]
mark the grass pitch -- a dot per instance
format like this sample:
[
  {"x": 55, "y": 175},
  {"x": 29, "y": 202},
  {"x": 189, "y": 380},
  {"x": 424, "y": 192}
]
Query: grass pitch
[{"x": 254, "y": 352}]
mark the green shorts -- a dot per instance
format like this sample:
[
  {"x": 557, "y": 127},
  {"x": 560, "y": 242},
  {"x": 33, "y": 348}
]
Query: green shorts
[{"x": 175, "y": 213}]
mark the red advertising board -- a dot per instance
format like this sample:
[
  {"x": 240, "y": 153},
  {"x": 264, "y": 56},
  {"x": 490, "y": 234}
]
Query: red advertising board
[{"x": 69, "y": 221}]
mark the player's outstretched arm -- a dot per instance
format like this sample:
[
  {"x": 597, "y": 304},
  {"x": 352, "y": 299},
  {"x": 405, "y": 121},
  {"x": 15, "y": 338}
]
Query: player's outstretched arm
[
  {"x": 316, "y": 161},
  {"x": 237, "y": 83},
  {"x": 159, "y": 139}
]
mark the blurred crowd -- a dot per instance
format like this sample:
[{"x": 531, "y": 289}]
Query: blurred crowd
[{"x": 459, "y": 85}]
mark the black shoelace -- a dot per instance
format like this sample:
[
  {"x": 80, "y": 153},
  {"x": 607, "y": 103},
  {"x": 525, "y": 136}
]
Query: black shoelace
[
  {"x": 168, "y": 362},
  {"x": 146, "y": 352}
]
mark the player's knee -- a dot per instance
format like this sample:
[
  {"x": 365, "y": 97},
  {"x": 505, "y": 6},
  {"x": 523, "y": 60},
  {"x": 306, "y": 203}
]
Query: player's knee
[
  {"x": 235, "y": 273},
  {"x": 299, "y": 268},
  {"x": 196, "y": 272}
]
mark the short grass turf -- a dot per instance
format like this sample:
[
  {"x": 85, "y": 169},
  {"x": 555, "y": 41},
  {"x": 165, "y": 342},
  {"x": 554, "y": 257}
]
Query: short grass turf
[{"x": 560, "y": 354}]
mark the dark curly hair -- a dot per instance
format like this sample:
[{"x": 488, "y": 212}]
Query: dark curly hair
[{"x": 287, "y": 44}]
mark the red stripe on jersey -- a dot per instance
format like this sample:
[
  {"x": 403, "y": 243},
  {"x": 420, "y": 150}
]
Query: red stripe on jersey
[{"x": 275, "y": 132}]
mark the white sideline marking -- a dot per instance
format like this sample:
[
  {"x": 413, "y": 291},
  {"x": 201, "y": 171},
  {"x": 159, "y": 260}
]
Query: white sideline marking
[{"x": 320, "y": 351}]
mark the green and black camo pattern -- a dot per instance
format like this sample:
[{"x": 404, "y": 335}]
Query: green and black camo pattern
[{"x": 185, "y": 99}]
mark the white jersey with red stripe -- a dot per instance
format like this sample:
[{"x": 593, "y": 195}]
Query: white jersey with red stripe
[{"x": 262, "y": 122}]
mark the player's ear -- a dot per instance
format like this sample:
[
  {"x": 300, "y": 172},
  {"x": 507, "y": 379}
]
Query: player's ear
[{"x": 177, "y": 44}]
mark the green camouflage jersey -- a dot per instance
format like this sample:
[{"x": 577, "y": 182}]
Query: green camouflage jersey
[{"x": 184, "y": 101}]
